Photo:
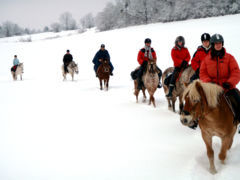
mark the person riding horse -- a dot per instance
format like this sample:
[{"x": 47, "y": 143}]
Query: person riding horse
[
  {"x": 221, "y": 68},
  {"x": 15, "y": 63},
  {"x": 102, "y": 54},
  {"x": 181, "y": 57},
  {"x": 145, "y": 54},
  {"x": 200, "y": 54},
  {"x": 67, "y": 59}
]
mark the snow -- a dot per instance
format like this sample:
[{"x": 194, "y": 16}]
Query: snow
[{"x": 50, "y": 129}]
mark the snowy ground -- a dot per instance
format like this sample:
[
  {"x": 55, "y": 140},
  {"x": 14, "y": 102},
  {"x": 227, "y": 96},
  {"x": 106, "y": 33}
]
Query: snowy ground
[{"x": 55, "y": 130}]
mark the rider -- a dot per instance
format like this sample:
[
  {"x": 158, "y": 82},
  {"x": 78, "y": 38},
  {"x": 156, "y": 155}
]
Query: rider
[
  {"x": 67, "y": 59},
  {"x": 200, "y": 54},
  {"x": 15, "y": 63},
  {"x": 102, "y": 54},
  {"x": 221, "y": 68},
  {"x": 143, "y": 57},
  {"x": 180, "y": 56}
]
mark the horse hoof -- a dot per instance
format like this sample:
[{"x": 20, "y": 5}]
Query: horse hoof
[
  {"x": 213, "y": 171},
  {"x": 223, "y": 162}
]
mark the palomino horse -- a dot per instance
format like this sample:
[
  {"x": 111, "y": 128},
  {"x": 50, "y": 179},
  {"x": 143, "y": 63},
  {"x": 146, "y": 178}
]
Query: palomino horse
[
  {"x": 179, "y": 88},
  {"x": 19, "y": 71},
  {"x": 150, "y": 80},
  {"x": 103, "y": 73},
  {"x": 206, "y": 103},
  {"x": 72, "y": 68}
]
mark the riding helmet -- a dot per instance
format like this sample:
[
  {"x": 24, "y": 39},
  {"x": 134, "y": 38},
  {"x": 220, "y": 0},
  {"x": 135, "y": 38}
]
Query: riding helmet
[
  {"x": 102, "y": 45},
  {"x": 205, "y": 37},
  {"x": 180, "y": 39},
  {"x": 216, "y": 38},
  {"x": 147, "y": 40}
]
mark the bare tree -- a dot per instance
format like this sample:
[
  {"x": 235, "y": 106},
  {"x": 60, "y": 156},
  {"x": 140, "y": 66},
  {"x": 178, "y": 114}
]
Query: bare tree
[
  {"x": 87, "y": 21},
  {"x": 56, "y": 27},
  {"x": 67, "y": 21}
]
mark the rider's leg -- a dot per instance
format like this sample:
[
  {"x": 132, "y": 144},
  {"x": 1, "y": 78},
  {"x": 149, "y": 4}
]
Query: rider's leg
[
  {"x": 159, "y": 76},
  {"x": 195, "y": 76},
  {"x": 95, "y": 69},
  {"x": 234, "y": 97},
  {"x": 111, "y": 67},
  {"x": 173, "y": 81},
  {"x": 140, "y": 74}
]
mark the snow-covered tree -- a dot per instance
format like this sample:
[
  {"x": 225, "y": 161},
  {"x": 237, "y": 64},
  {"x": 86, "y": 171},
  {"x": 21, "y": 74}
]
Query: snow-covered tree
[
  {"x": 56, "y": 27},
  {"x": 67, "y": 21},
  {"x": 87, "y": 21}
]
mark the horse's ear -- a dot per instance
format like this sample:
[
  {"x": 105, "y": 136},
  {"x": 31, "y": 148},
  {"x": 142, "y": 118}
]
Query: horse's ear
[
  {"x": 202, "y": 93},
  {"x": 185, "y": 84}
]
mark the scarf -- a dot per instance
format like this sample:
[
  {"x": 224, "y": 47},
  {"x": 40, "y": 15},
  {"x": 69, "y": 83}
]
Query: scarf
[{"x": 148, "y": 52}]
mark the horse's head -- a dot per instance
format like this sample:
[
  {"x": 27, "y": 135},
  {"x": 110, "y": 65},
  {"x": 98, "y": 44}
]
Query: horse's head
[
  {"x": 20, "y": 66},
  {"x": 74, "y": 67},
  {"x": 152, "y": 66},
  {"x": 106, "y": 67},
  {"x": 198, "y": 99}
]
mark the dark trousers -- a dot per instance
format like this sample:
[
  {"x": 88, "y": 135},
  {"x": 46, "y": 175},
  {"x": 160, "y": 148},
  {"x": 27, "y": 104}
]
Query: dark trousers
[
  {"x": 195, "y": 76},
  {"x": 175, "y": 75},
  {"x": 234, "y": 96},
  {"x": 65, "y": 65},
  {"x": 14, "y": 68}
]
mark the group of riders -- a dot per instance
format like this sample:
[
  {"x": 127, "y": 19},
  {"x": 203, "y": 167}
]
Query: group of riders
[{"x": 210, "y": 62}]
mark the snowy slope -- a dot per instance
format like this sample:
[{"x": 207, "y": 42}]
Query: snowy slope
[{"x": 50, "y": 129}]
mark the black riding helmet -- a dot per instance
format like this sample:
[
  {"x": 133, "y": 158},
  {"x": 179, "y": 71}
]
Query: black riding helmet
[
  {"x": 216, "y": 38},
  {"x": 148, "y": 41},
  {"x": 205, "y": 37},
  {"x": 180, "y": 39}
]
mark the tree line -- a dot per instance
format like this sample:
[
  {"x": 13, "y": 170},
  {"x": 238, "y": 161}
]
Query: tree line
[{"x": 123, "y": 13}]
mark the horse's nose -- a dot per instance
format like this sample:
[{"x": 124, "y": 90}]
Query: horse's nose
[{"x": 184, "y": 121}]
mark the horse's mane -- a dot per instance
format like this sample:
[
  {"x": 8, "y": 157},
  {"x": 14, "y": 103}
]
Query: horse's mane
[{"x": 212, "y": 92}]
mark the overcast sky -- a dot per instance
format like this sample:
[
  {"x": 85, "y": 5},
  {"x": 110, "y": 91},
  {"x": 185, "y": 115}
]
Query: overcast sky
[{"x": 38, "y": 13}]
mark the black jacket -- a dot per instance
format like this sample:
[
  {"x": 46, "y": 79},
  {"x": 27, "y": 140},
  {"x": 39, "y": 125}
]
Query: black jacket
[{"x": 67, "y": 58}]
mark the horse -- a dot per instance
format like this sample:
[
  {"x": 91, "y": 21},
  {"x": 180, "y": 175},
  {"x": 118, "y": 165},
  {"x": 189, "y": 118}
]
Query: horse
[
  {"x": 136, "y": 90},
  {"x": 103, "y": 73},
  {"x": 206, "y": 105},
  {"x": 19, "y": 71},
  {"x": 150, "y": 80},
  {"x": 72, "y": 69},
  {"x": 179, "y": 88}
]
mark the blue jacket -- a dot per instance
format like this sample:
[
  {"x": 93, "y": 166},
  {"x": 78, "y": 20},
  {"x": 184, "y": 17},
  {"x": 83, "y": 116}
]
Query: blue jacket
[
  {"x": 15, "y": 61},
  {"x": 101, "y": 55}
]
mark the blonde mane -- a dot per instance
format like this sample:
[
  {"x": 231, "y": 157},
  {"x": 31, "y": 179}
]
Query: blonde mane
[{"x": 212, "y": 92}]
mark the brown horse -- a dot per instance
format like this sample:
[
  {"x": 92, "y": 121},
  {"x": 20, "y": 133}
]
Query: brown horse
[
  {"x": 150, "y": 80},
  {"x": 180, "y": 86},
  {"x": 103, "y": 73},
  {"x": 207, "y": 104}
]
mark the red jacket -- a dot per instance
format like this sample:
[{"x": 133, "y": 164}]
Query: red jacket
[
  {"x": 141, "y": 55},
  {"x": 198, "y": 57},
  {"x": 220, "y": 70},
  {"x": 178, "y": 55}
]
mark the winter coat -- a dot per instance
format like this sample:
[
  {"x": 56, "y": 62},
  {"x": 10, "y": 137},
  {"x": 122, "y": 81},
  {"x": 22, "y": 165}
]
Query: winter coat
[
  {"x": 220, "y": 70},
  {"x": 179, "y": 55},
  {"x": 15, "y": 62},
  {"x": 198, "y": 57},
  {"x": 67, "y": 58},
  {"x": 101, "y": 54},
  {"x": 141, "y": 56}
]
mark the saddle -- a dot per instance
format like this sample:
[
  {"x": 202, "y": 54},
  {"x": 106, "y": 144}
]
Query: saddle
[{"x": 14, "y": 68}]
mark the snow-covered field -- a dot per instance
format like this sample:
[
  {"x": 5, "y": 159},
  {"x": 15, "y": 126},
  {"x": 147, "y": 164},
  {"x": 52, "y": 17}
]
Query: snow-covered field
[{"x": 55, "y": 130}]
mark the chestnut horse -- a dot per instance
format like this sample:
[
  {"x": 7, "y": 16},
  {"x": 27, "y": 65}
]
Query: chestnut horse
[
  {"x": 207, "y": 104},
  {"x": 103, "y": 73}
]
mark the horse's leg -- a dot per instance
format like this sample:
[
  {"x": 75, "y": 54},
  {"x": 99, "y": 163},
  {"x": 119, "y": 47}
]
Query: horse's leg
[
  {"x": 208, "y": 141},
  {"x": 136, "y": 93},
  {"x": 173, "y": 99},
  {"x": 107, "y": 84},
  {"x": 226, "y": 144},
  {"x": 180, "y": 104},
  {"x": 100, "y": 80},
  {"x": 72, "y": 76},
  {"x": 144, "y": 94},
  {"x": 153, "y": 101},
  {"x": 21, "y": 77}
]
